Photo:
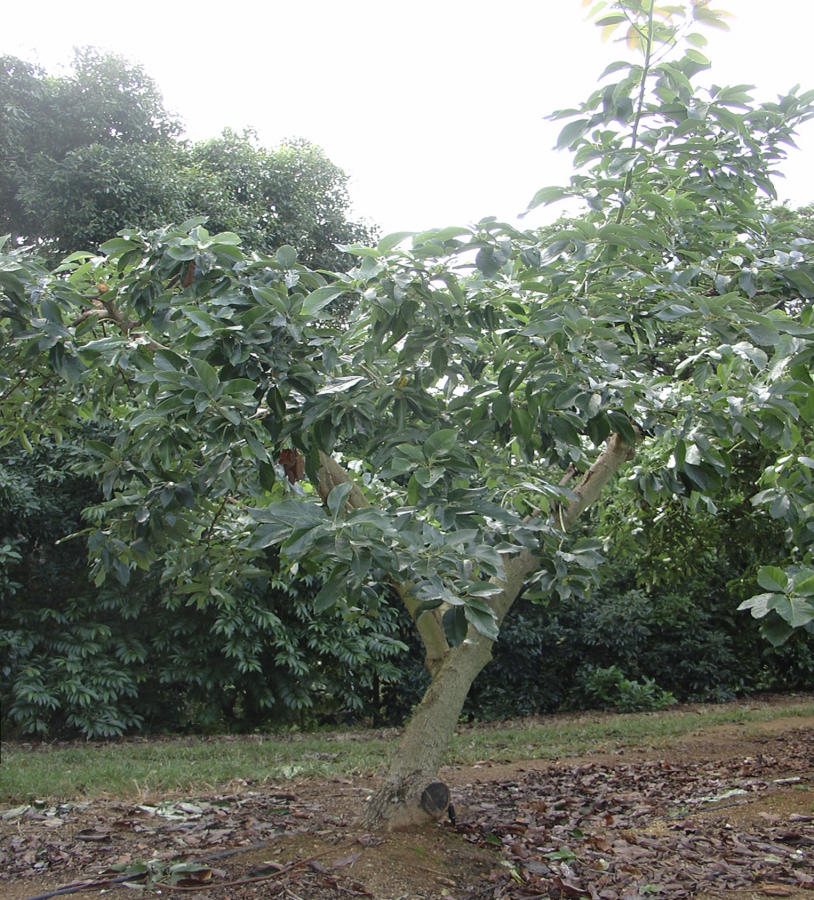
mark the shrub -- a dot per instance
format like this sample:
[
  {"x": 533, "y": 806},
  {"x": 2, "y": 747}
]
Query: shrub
[
  {"x": 610, "y": 689},
  {"x": 630, "y": 648}
]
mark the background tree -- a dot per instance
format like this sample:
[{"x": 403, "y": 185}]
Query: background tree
[
  {"x": 292, "y": 195},
  {"x": 84, "y": 154},
  {"x": 486, "y": 390},
  {"x": 95, "y": 151}
]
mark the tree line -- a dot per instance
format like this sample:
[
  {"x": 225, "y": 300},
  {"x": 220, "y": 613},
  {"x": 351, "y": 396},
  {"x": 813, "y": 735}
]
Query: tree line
[{"x": 88, "y": 153}]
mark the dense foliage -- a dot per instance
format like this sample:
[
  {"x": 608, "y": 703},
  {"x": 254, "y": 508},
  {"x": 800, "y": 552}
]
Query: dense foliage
[
  {"x": 94, "y": 151},
  {"x": 103, "y": 659},
  {"x": 85, "y": 155}
]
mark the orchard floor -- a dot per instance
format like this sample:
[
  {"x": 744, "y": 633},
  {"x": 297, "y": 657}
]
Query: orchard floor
[{"x": 728, "y": 810}]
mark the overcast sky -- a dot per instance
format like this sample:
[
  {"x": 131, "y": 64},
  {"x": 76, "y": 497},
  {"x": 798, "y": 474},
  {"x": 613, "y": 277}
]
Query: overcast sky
[{"x": 435, "y": 108}]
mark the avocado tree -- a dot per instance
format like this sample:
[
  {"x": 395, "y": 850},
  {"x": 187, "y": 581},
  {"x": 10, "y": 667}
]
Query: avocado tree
[{"x": 439, "y": 448}]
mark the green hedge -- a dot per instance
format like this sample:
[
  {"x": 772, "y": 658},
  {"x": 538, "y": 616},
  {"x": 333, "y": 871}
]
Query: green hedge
[{"x": 104, "y": 660}]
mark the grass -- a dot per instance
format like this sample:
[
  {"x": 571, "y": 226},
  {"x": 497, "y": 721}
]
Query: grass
[
  {"x": 598, "y": 732},
  {"x": 150, "y": 768}
]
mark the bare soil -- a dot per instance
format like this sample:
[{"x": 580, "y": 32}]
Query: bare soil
[{"x": 728, "y": 809}]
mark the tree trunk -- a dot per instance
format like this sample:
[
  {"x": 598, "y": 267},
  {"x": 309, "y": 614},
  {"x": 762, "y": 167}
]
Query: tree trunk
[{"x": 398, "y": 801}]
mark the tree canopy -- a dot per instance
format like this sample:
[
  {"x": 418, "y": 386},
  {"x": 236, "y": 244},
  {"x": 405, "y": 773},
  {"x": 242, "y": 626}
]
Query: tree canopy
[
  {"x": 89, "y": 153},
  {"x": 488, "y": 387}
]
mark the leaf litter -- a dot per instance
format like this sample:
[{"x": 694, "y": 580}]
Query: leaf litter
[{"x": 676, "y": 824}]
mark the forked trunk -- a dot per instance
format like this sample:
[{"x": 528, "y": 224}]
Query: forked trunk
[{"x": 398, "y": 802}]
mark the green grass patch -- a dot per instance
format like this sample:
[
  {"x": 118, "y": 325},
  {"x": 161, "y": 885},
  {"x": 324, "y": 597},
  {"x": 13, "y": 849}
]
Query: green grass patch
[
  {"x": 571, "y": 735},
  {"x": 153, "y": 768},
  {"x": 150, "y": 768}
]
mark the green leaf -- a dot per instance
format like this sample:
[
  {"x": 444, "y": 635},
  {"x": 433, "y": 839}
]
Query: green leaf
[
  {"x": 442, "y": 235},
  {"x": 621, "y": 424},
  {"x": 388, "y": 242},
  {"x": 290, "y": 514},
  {"x": 168, "y": 361},
  {"x": 775, "y": 630},
  {"x": 182, "y": 254},
  {"x": 490, "y": 260},
  {"x": 501, "y": 407},
  {"x": 772, "y": 578},
  {"x": 276, "y": 403},
  {"x": 761, "y": 604},
  {"x": 697, "y": 40},
  {"x": 598, "y": 429},
  {"x": 457, "y": 538},
  {"x": 370, "y": 517},
  {"x": 522, "y": 423},
  {"x": 483, "y": 618},
  {"x": 320, "y": 298},
  {"x": 455, "y": 625},
  {"x": 413, "y": 453},
  {"x": 330, "y": 592},
  {"x": 780, "y": 506},
  {"x": 229, "y": 238},
  {"x": 209, "y": 377},
  {"x": 803, "y": 583},
  {"x": 100, "y": 447},
  {"x": 271, "y": 297},
  {"x": 116, "y": 246},
  {"x": 204, "y": 322},
  {"x": 268, "y": 476},
  {"x": 796, "y": 611},
  {"x": 698, "y": 57},
  {"x": 340, "y": 385},
  {"x": 440, "y": 442},
  {"x": 673, "y": 311},
  {"x": 572, "y": 133},
  {"x": 338, "y": 497},
  {"x": 762, "y": 334},
  {"x": 613, "y": 19},
  {"x": 287, "y": 257},
  {"x": 504, "y": 379},
  {"x": 257, "y": 447},
  {"x": 545, "y": 196},
  {"x": 427, "y": 477},
  {"x": 428, "y": 606},
  {"x": 614, "y": 67}
]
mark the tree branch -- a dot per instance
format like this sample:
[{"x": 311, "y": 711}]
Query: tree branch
[
  {"x": 106, "y": 311},
  {"x": 591, "y": 484},
  {"x": 587, "y": 491},
  {"x": 331, "y": 474}
]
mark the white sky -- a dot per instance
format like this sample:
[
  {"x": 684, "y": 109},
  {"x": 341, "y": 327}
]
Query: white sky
[{"x": 435, "y": 108}]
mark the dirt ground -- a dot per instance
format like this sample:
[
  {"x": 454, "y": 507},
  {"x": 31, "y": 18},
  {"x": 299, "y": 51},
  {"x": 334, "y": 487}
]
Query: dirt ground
[{"x": 728, "y": 809}]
